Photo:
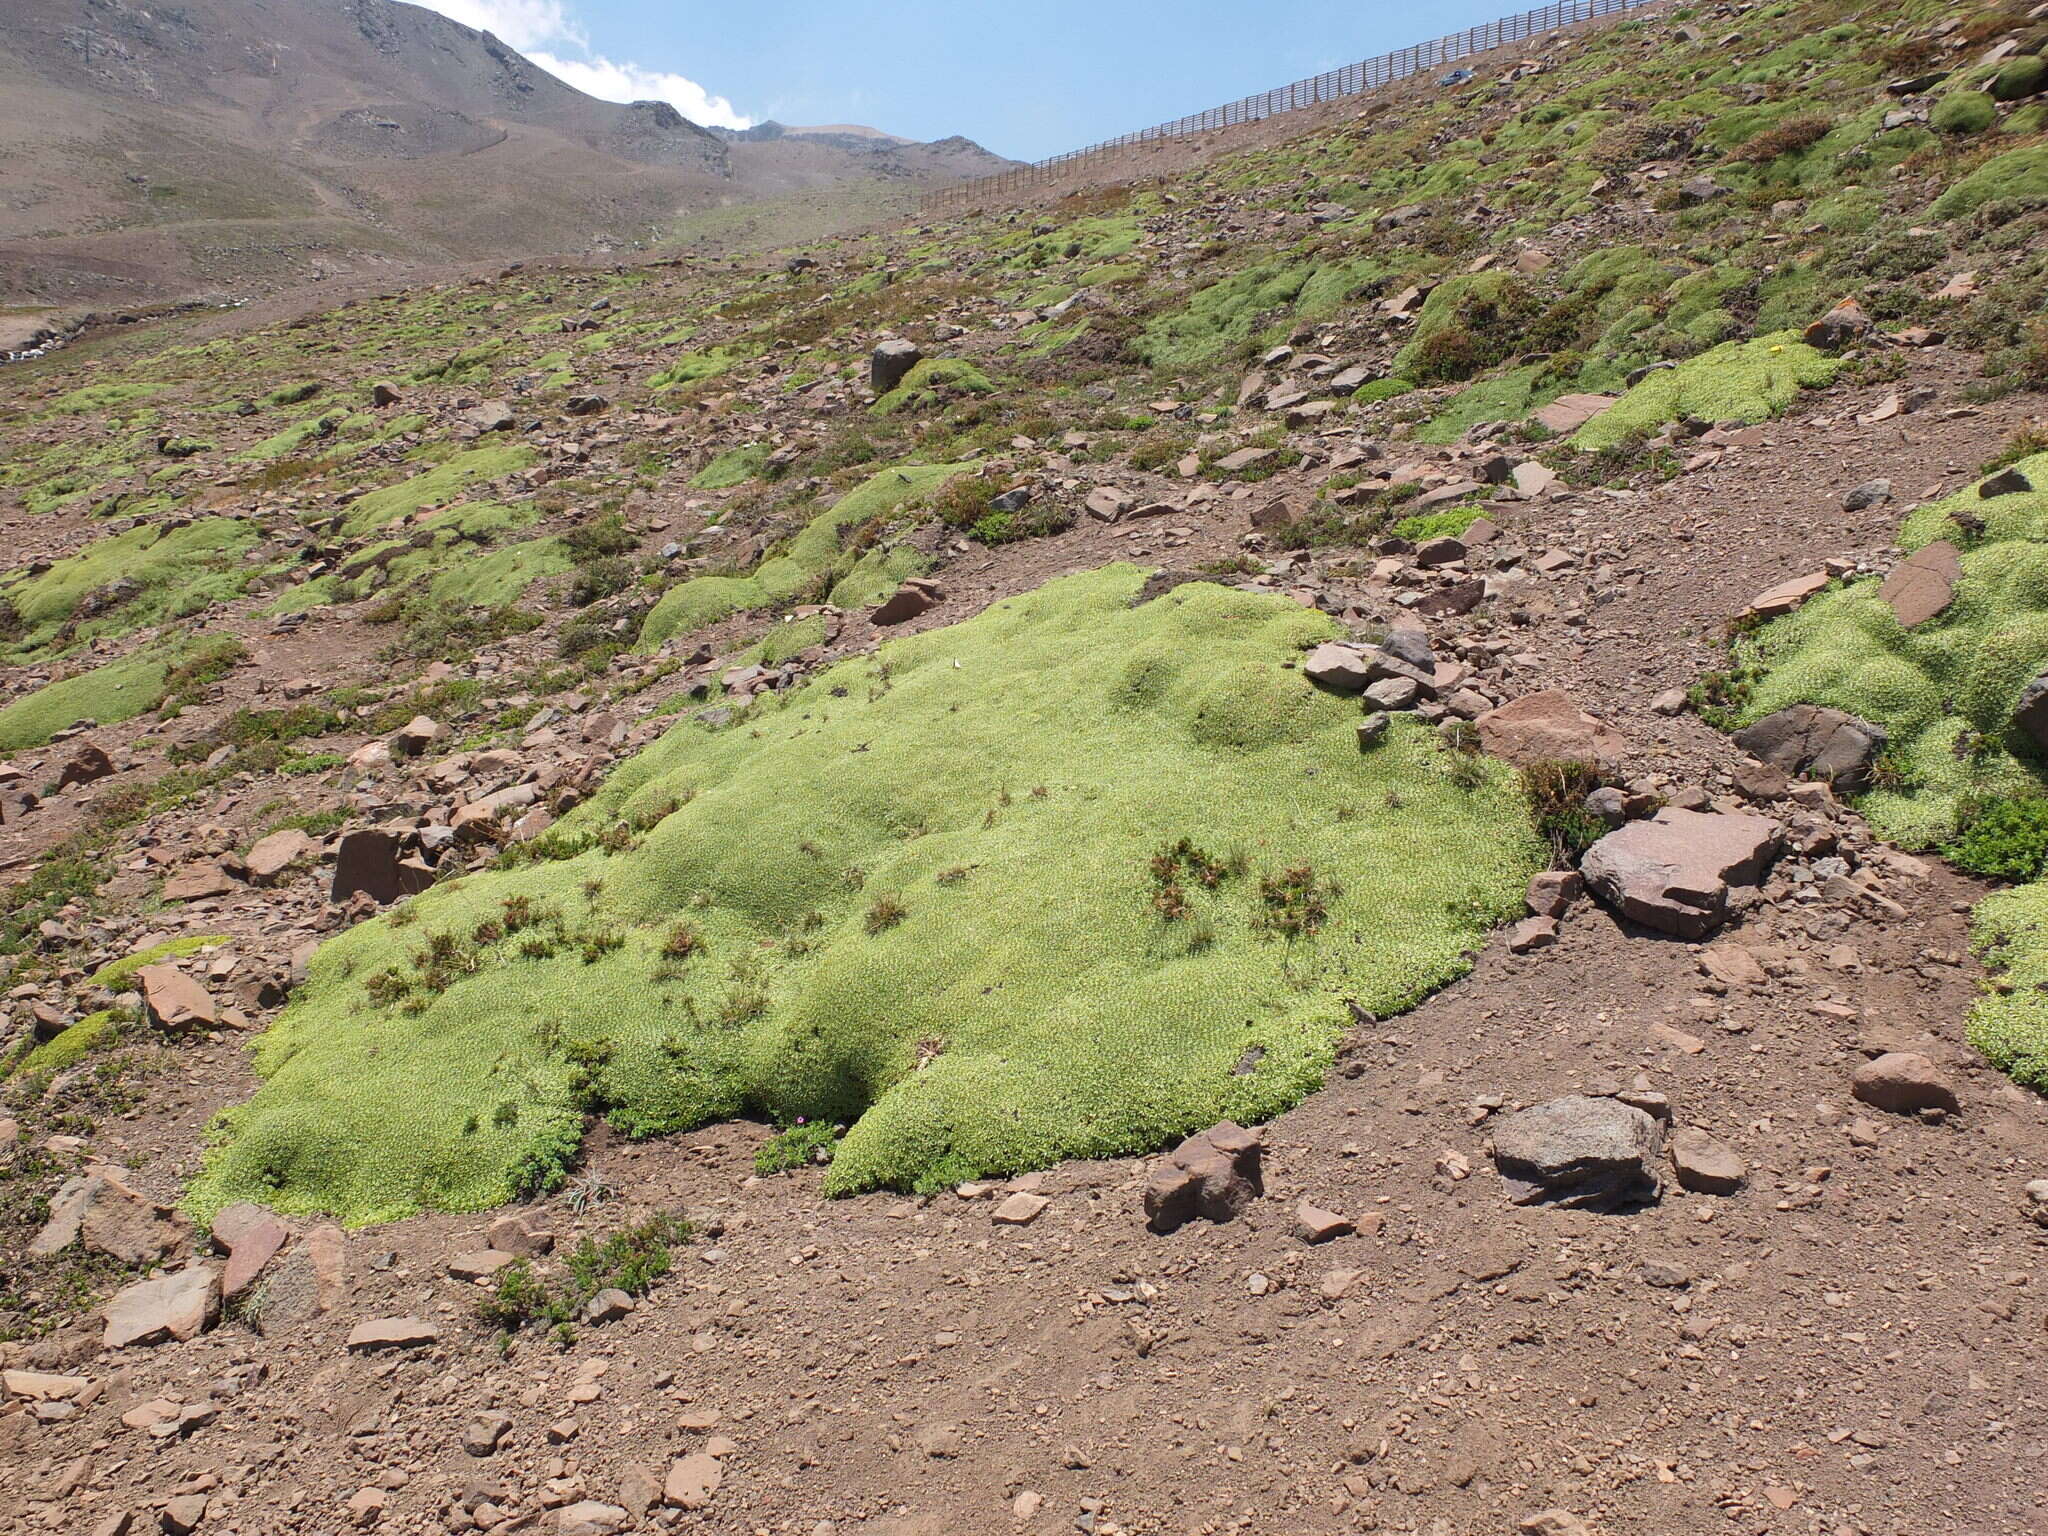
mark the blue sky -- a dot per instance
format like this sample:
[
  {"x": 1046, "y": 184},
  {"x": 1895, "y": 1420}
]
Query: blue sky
[{"x": 1024, "y": 80}]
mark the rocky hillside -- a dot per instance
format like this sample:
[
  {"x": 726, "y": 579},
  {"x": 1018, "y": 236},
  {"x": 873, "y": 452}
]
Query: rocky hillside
[
  {"x": 1348, "y": 841},
  {"x": 235, "y": 146}
]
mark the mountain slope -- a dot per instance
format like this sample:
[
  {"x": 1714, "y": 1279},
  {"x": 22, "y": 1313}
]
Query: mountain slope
[{"x": 226, "y": 144}]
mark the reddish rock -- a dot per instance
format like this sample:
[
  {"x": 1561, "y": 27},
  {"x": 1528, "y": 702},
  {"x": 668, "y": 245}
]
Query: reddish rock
[
  {"x": 1673, "y": 872},
  {"x": 1839, "y": 327},
  {"x": 1313, "y": 1224},
  {"x": 1826, "y": 744},
  {"x": 1552, "y": 893},
  {"x": 273, "y": 855},
  {"x": 692, "y": 1480},
  {"x": 1338, "y": 667},
  {"x": 173, "y": 1000},
  {"x": 1568, "y": 413},
  {"x": 1924, "y": 584},
  {"x": 1214, "y": 1174},
  {"x": 1703, "y": 1165},
  {"x": 1904, "y": 1083},
  {"x": 1548, "y": 727},
  {"x": 511, "y": 1234},
  {"x": 176, "y": 1306},
  {"x": 196, "y": 882},
  {"x": 1786, "y": 595},
  {"x": 392, "y": 1333},
  {"x": 88, "y": 765},
  {"x": 251, "y": 1237},
  {"x": 910, "y": 600},
  {"x": 367, "y": 861},
  {"x": 98, "y": 1210},
  {"x": 1532, "y": 933}
]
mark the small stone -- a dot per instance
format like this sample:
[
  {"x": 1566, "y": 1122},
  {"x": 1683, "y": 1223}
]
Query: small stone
[
  {"x": 484, "y": 1432},
  {"x": 184, "y": 1514},
  {"x": 175, "y": 1306},
  {"x": 590, "y": 1518},
  {"x": 607, "y": 1306},
  {"x": 1703, "y": 1165},
  {"x": 1532, "y": 933},
  {"x": 1019, "y": 1210},
  {"x": 1214, "y": 1174},
  {"x": 1313, "y": 1224}
]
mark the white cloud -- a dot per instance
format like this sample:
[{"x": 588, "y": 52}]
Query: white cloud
[
  {"x": 542, "y": 29},
  {"x": 598, "y": 76},
  {"x": 522, "y": 23}
]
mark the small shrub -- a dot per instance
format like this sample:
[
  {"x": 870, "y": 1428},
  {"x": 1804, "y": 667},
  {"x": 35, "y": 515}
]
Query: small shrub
[
  {"x": 886, "y": 912},
  {"x": 2003, "y": 840},
  {"x": 1557, "y": 805},
  {"x": 1789, "y": 137},
  {"x": 1296, "y": 900},
  {"x": 683, "y": 941}
]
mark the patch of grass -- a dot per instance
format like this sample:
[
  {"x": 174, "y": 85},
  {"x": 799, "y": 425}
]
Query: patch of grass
[
  {"x": 2009, "y": 1025},
  {"x": 1451, "y": 522},
  {"x": 443, "y": 483},
  {"x": 144, "y": 576},
  {"x": 1963, "y": 113},
  {"x": 117, "y": 975},
  {"x": 1074, "y": 1023},
  {"x": 631, "y": 1259},
  {"x": 2018, "y": 177},
  {"x": 71, "y": 1046},
  {"x": 735, "y": 466}
]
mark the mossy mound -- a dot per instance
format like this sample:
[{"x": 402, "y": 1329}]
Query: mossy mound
[
  {"x": 143, "y": 576},
  {"x": 1745, "y": 381},
  {"x": 1945, "y": 690},
  {"x": 1964, "y": 112},
  {"x": 2020, "y": 176},
  {"x": 442, "y": 483},
  {"x": 118, "y": 691},
  {"x": 816, "y": 561},
  {"x": 1007, "y": 892},
  {"x": 930, "y": 384}
]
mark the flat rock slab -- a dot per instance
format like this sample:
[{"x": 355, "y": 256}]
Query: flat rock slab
[
  {"x": 1579, "y": 1151},
  {"x": 174, "y": 1000},
  {"x": 392, "y": 1333},
  {"x": 1703, "y": 1165},
  {"x": 1548, "y": 727},
  {"x": 177, "y": 1306},
  {"x": 1786, "y": 595},
  {"x": 1568, "y": 413},
  {"x": 1674, "y": 871},
  {"x": 1923, "y": 585}
]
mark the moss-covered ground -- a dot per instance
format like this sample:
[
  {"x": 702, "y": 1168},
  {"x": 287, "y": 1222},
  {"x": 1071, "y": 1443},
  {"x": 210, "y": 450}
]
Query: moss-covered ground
[
  {"x": 1945, "y": 690},
  {"x": 1069, "y": 879}
]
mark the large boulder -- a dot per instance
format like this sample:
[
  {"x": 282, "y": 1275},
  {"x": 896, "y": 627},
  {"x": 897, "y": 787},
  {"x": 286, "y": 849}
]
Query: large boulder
[
  {"x": 1214, "y": 1174},
  {"x": 1548, "y": 727},
  {"x": 1673, "y": 872},
  {"x": 1825, "y": 744},
  {"x": 1579, "y": 1151}
]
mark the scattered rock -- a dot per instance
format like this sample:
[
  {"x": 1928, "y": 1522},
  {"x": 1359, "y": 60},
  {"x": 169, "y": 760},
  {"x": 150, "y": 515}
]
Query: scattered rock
[
  {"x": 1214, "y": 1174},
  {"x": 1581, "y": 1152},
  {"x": 911, "y": 599},
  {"x": 1674, "y": 871},
  {"x": 1552, "y": 892},
  {"x": 607, "y": 1306},
  {"x": 1702, "y": 1165},
  {"x": 1567, "y": 413},
  {"x": 588, "y": 1517},
  {"x": 691, "y": 1482},
  {"x": 392, "y": 1333},
  {"x": 2007, "y": 482},
  {"x": 1904, "y": 1083},
  {"x": 1786, "y": 595},
  {"x": 103, "y": 1214},
  {"x": 890, "y": 364},
  {"x": 1313, "y": 1224},
  {"x": 1532, "y": 933},
  {"x": 88, "y": 765},
  {"x": 1841, "y": 326},
  {"x": 272, "y": 856},
  {"x": 1871, "y": 493},
  {"x": 1338, "y": 667},
  {"x": 173, "y": 1000},
  {"x": 1019, "y": 1210}
]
